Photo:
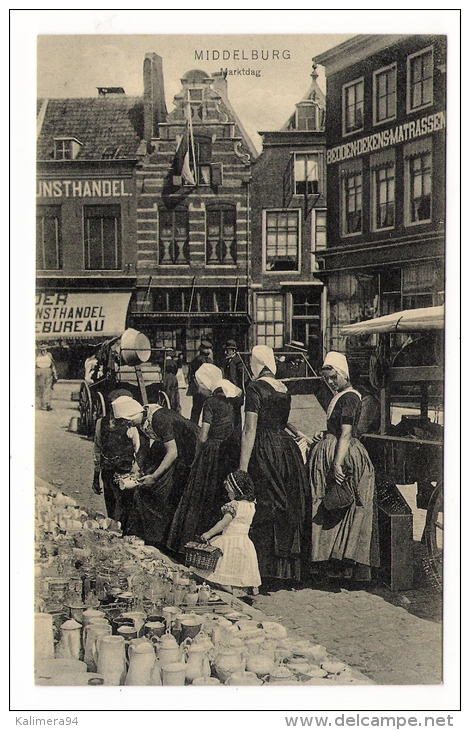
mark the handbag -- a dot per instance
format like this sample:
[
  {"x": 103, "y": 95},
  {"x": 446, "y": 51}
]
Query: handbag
[{"x": 338, "y": 496}]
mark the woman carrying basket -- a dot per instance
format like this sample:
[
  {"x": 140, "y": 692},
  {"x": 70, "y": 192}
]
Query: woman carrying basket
[{"x": 344, "y": 538}]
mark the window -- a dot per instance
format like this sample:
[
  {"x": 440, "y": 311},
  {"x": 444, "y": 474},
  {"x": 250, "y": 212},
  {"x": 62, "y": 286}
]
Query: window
[
  {"x": 307, "y": 114},
  {"x": 66, "y": 148},
  {"x": 351, "y": 203},
  {"x": 420, "y": 80},
  {"x": 385, "y": 94},
  {"x": 353, "y": 107},
  {"x": 200, "y": 156},
  {"x": 48, "y": 237},
  {"x": 306, "y": 174},
  {"x": 270, "y": 320},
  {"x": 282, "y": 235},
  {"x": 383, "y": 197},
  {"x": 102, "y": 224},
  {"x": 174, "y": 237},
  {"x": 418, "y": 185},
  {"x": 221, "y": 242}
]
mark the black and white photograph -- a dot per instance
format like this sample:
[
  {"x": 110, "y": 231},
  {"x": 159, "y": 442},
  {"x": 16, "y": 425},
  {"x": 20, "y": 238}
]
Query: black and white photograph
[{"x": 237, "y": 336}]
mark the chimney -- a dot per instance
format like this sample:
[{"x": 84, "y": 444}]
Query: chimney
[{"x": 155, "y": 110}]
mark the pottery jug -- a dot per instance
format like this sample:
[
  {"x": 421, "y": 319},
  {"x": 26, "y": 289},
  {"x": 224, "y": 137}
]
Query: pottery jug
[
  {"x": 43, "y": 636},
  {"x": 141, "y": 663},
  {"x": 112, "y": 659},
  {"x": 197, "y": 662},
  {"x": 69, "y": 645},
  {"x": 228, "y": 661},
  {"x": 174, "y": 674},
  {"x": 168, "y": 651},
  {"x": 91, "y": 633}
]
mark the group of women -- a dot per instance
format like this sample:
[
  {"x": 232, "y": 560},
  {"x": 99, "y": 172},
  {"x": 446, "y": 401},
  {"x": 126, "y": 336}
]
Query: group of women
[{"x": 185, "y": 467}]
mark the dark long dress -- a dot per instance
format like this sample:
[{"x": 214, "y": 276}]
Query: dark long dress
[
  {"x": 204, "y": 495},
  {"x": 279, "y": 529},
  {"x": 349, "y": 534},
  {"x": 153, "y": 507}
]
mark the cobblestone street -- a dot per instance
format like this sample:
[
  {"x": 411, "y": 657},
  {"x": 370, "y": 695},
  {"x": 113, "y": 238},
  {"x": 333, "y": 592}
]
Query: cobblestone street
[{"x": 389, "y": 637}]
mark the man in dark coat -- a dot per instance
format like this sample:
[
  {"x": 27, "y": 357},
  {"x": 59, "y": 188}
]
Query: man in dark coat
[
  {"x": 234, "y": 371},
  {"x": 205, "y": 355}
]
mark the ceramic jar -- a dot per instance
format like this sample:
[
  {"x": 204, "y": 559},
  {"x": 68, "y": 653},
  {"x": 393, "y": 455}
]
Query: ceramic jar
[
  {"x": 69, "y": 645},
  {"x": 242, "y": 678},
  {"x": 141, "y": 662},
  {"x": 174, "y": 674},
  {"x": 168, "y": 651},
  {"x": 90, "y": 613},
  {"x": 261, "y": 663},
  {"x": 112, "y": 659},
  {"x": 227, "y": 661},
  {"x": 197, "y": 662},
  {"x": 138, "y": 617},
  {"x": 190, "y": 627}
]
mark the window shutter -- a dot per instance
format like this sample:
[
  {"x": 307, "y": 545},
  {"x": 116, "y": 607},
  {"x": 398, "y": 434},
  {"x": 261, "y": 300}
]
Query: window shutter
[{"x": 216, "y": 173}]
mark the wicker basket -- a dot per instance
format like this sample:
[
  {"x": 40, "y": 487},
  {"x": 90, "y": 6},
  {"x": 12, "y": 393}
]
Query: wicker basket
[{"x": 201, "y": 555}]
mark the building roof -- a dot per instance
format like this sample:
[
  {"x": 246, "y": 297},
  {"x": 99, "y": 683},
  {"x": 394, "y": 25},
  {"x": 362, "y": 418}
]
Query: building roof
[{"x": 104, "y": 122}]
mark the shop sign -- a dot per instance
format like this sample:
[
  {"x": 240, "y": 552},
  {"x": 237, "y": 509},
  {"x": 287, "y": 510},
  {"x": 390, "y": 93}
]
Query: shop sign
[
  {"x": 81, "y": 189},
  {"x": 387, "y": 138},
  {"x": 74, "y": 314}
]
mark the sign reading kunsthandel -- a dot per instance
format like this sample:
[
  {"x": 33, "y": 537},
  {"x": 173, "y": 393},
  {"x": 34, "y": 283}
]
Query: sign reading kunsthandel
[
  {"x": 82, "y": 189},
  {"x": 387, "y": 138}
]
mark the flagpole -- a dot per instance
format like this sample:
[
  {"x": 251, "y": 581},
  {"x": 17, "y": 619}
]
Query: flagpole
[{"x": 190, "y": 131}]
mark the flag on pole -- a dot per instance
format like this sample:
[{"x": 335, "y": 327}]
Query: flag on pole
[{"x": 181, "y": 161}]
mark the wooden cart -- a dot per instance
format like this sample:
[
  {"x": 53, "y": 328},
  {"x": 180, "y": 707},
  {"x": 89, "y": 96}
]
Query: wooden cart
[
  {"x": 408, "y": 372},
  {"x": 127, "y": 362}
]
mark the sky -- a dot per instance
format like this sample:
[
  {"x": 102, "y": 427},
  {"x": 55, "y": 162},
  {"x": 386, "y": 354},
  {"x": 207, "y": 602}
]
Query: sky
[{"x": 74, "y": 65}]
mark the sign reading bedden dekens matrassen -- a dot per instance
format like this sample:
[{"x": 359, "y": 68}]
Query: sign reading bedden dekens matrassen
[{"x": 81, "y": 314}]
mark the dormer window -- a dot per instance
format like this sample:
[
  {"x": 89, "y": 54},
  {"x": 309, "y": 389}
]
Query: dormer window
[
  {"x": 66, "y": 148},
  {"x": 307, "y": 116}
]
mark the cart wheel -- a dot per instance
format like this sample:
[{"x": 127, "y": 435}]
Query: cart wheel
[
  {"x": 99, "y": 408},
  {"x": 434, "y": 536},
  {"x": 85, "y": 406},
  {"x": 162, "y": 399}
]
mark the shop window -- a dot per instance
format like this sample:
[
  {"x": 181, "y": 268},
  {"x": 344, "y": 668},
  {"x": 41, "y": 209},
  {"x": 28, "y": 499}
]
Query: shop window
[
  {"x": 221, "y": 241},
  {"x": 173, "y": 237},
  {"x": 102, "y": 234},
  {"x": 306, "y": 174},
  {"x": 420, "y": 80},
  {"x": 282, "y": 237},
  {"x": 66, "y": 148},
  {"x": 383, "y": 197},
  {"x": 48, "y": 238},
  {"x": 351, "y": 202},
  {"x": 418, "y": 186},
  {"x": 353, "y": 107},
  {"x": 385, "y": 94},
  {"x": 270, "y": 320}
]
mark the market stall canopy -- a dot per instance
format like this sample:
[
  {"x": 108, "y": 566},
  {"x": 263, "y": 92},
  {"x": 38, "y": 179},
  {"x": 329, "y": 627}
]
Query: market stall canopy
[
  {"x": 78, "y": 315},
  {"x": 409, "y": 320}
]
